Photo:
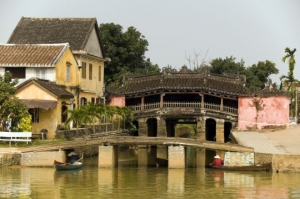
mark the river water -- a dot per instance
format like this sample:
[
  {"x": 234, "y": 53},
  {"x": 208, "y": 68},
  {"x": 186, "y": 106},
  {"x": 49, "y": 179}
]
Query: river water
[{"x": 129, "y": 181}]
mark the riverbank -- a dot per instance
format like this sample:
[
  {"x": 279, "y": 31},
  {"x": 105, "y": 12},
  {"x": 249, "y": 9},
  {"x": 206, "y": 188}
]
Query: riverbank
[
  {"x": 282, "y": 145},
  {"x": 284, "y": 141}
]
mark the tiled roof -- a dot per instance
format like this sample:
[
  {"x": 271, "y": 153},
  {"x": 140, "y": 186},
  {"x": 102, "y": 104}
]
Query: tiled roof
[
  {"x": 34, "y": 55},
  {"x": 75, "y": 31},
  {"x": 53, "y": 88},
  {"x": 183, "y": 82}
]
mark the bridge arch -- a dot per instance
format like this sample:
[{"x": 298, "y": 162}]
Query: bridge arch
[
  {"x": 152, "y": 127},
  {"x": 210, "y": 129},
  {"x": 136, "y": 125},
  {"x": 227, "y": 131}
]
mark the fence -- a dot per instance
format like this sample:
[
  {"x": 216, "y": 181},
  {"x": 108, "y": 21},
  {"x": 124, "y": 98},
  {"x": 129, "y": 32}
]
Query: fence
[{"x": 208, "y": 106}]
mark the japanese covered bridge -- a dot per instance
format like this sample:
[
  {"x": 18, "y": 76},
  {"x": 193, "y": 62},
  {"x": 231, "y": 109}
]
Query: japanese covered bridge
[{"x": 161, "y": 102}]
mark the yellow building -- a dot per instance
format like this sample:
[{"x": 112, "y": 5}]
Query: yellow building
[
  {"x": 47, "y": 104},
  {"x": 83, "y": 36},
  {"x": 32, "y": 64}
]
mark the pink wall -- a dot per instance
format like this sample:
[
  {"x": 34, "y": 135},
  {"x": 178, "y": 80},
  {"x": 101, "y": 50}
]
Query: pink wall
[
  {"x": 262, "y": 112},
  {"x": 117, "y": 101}
]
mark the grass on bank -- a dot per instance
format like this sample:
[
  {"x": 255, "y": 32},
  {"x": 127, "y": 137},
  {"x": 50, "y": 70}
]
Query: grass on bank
[{"x": 5, "y": 144}]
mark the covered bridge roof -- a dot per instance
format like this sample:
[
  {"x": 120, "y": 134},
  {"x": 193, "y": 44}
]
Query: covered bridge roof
[{"x": 184, "y": 81}]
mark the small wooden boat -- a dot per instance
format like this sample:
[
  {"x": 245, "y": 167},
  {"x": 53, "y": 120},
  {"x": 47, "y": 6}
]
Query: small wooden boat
[
  {"x": 67, "y": 166},
  {"x": 258, "y": 167}
]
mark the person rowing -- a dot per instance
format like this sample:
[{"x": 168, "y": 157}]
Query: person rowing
[{"x": 218, "y": 162}]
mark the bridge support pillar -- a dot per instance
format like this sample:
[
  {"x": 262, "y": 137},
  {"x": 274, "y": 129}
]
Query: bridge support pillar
[
  {"x": 200, "y": 158},
  {"x": 176, "y": 157},
  {"x": 162, "y": 152},
  {"x": 143, "y": 128},
  {"x": 142, "y": 156},
  {"x": 108, "y": 156},
  {"x": 220, "y": 131},
  {"x": 161, "y": 127},
  {"x": 201, "y": 129}
]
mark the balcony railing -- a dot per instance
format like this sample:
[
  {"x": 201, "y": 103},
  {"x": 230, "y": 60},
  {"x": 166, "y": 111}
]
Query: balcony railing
[{"x": 208, "y": 106}]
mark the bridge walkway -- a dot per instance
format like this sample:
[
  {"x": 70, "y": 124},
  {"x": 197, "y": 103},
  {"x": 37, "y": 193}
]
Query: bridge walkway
[{"x": 130, "y": 140}]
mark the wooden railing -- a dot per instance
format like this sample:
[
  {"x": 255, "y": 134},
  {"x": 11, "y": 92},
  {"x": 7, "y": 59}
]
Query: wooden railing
[{"x": 208, "y": 106}]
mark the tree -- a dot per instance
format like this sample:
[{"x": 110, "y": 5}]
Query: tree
[
  {"x": 94, "y": 113},
  {"x": 126, "y": 51},
  {"x": 11, "y": 108},
  {"x": 289, "y": 80},
  {"x": 227, "y": 66},
  {"x": 257, "y": 74},
  {"x": 25, "y": 124},
  {"x": 78, "y": 116},
  {"x": 194, "y": 62}
]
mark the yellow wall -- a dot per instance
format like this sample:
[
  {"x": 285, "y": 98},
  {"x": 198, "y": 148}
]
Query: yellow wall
[
  {"x": 48, "y": 119},
  {"x": 61, "y": 69},
  {"x": 93, "y": 87},
  {"x": 36, "y": 92}
]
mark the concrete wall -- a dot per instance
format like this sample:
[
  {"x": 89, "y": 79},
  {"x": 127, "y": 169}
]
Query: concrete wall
[
  {"x": 176, "y": 157},
  {"x": 259, "y": 113},
  {"x": 285, "y": 163},
  {"x": 44, "y": 159},
  {"x": 108, "y": 156}
]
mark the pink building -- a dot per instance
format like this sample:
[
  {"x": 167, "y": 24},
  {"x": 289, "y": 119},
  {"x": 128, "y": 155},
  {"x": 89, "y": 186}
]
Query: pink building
[{"x": 269, "y": 109}]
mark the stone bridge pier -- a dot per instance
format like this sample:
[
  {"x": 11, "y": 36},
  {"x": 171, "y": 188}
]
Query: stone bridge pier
[
  {"x": 175, "y": 155},
  {"x": 206, "y": 128}
]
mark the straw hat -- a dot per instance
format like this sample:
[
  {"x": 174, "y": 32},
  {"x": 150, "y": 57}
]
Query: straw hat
[{"x": 217, "y": 156}]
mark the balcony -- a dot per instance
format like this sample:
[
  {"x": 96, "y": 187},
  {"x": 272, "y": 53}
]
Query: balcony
[{"x": 207, "y": 106}]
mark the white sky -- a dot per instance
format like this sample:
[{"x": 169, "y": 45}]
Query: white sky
[{"x": 252, "y": 30}]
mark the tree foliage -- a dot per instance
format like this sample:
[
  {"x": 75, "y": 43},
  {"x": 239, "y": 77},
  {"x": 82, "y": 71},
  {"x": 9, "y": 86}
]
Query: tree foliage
[
  {"x": 126, "y": 51},
  {"x": 11, "y": 108},
  {"x": 92, "y": 114},
  {"x": 289, "y": 81},
  {"x": 227, "y": 66},
  {"x": 25, "y": 124},
  {"x": 256, "y": 75}
]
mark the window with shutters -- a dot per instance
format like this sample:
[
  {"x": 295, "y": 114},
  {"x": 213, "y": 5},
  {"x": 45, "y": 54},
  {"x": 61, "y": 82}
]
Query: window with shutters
[
  {"x": 68, "y": 68},
  {"x": 99, "y": 75},
  {"x": 90, "y": 71},
  {"x": 35, "y": 114},
  {"x": 83, "y": 70}
]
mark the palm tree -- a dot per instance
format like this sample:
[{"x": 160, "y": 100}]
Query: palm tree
[
  {"x": 110, "y": 112},
  {"x": 289, "y": 80},
  {"x": 77, "y": 116},
  {"x": 100, "y": 112},
  {"x": 91, "y": 114},
  {"x": 127, "y": 115}
]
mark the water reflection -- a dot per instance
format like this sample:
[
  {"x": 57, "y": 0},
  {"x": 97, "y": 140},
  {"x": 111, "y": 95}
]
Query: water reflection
[{"x": 129, "y": 180}]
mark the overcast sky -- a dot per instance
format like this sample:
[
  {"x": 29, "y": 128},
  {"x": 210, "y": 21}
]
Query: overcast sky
[{"x": 252, "y": 30}]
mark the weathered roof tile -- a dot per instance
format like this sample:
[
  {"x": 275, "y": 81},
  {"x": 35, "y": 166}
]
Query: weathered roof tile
[
  {"x": 75, "y": 31},
  {"x": 31, "y": 55},
  {"x": 184, "y": 83},
  {"x": 53, "y": 88}
]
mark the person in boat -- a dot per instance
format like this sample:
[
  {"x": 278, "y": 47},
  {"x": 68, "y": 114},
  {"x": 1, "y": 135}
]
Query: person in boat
[
  {"x": 72, "y": 157},
  {"x": 218, "y": 162}
]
